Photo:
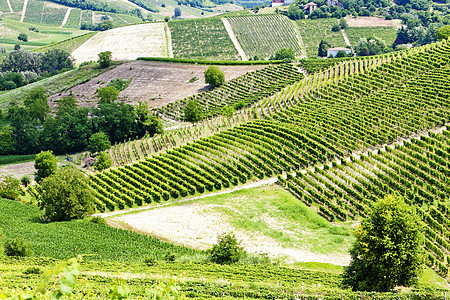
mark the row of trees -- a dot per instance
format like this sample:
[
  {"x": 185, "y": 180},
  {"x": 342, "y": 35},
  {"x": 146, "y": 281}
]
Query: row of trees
[{"x": 34, "y": 128}]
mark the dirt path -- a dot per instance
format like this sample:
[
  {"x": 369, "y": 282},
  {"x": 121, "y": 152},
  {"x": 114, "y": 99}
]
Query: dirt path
[
  {"x": 169, "y": 41},
  {"x": 10, "y": 7},
  {"x": 238, "y": 47},
  {"x": 347, "y": 41},
  {"x": 24, "y": 10},
  {"x": 66, "y": 16},
  {"x": 135, "y": 5}
]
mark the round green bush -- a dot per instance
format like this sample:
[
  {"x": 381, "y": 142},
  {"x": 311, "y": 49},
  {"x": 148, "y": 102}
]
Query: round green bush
[{"x": 18, "y": 247}]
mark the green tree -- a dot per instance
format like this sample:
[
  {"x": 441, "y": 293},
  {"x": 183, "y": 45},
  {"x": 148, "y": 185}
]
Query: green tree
[
  {"x": 192, "y": 112},
  {"x": 443, "y": 33},
  {"x": 107, "y": 94},
  {"x": 45, "y": 164},
  {"x": 105, "y": 59},
  {"x": 37, "y": 104},
  {"x": 295, "y": 13},
  {"x": 387, "y": 252},
  {"x": 6, "y": 141},
  {"x": 103, "y": 161},
  {"x": 18, "y": 247},
  {"x": 343, "y": 23},
  {"x": 227, "y": 250},
  {"x": 25, "y": 180},
  {"x": 66, "y": 195},
  {"x": 99, "y": 142},
  {"x": 214, "y": 76},
  {"x": 228, "y": 112},
  {"x": 166, "y": 19},
  {"x": 335, "y": 28},
  {"x": 285, "y": 54},
  {"x": 177, "y": 12},
  {"x": 23, "y": 37},
  {"x": 323, "y": 47},
  {"x": 147, "y": 123}
]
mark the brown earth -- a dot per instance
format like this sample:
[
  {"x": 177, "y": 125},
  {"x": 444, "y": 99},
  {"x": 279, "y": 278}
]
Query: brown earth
[
  {"x": 370, "y": 22},
  {"x": 153, "y": 82}
]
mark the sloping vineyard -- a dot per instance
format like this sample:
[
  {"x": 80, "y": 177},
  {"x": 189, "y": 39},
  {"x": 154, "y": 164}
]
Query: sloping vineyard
[
  {"x": 418, "y": 169},
  {"x": 261, "y": 36},
  {"x": 247, "y": 89},
  {"x": 370, "y": 108},
  {"x": 202, "y": 38}
]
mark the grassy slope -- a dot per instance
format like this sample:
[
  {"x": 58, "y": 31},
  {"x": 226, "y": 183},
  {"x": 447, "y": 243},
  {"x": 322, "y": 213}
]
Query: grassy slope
[
  {"x": 387, "y": 34},
  {"x": 256, "y": 210},
  {"x": 63, "y": 240}
]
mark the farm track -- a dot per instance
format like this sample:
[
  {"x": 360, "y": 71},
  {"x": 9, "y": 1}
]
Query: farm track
[
  {"x": 9, "y": 5},
  {"x": 24, "y": 10},
  {"x": 66, "y": 16},
  {"x": 347, "y": 41},
  {"x": 233, "y": 38}
]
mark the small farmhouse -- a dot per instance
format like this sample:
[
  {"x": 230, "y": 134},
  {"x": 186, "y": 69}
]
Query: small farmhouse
[
  {"x": 334, "y": 51},
  {"x": 310, "y": 7},
  {"x": 281, "y": 2}
]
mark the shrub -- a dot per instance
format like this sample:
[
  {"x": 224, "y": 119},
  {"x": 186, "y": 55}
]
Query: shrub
[
  {"x": 103, "y": 161},
  {"x": 227, "y": 250},
  {"x": 105, "y": 59},
  {"x": 214, "y": 76},
  {"x": 33, "y": 270},
  {"x": 17, "y": 247},
  {"x": 25, "y": 180},
  {"x": 150, "y": 260},
  {"x": 23, "y": 37},
  {"x": 98, "y": 220},
  {"x": 99, "y": 142},
  {"x": 335, "y": 28},
  {"x": 45, "y": 164},
  {"x": 170, "y": 256}
]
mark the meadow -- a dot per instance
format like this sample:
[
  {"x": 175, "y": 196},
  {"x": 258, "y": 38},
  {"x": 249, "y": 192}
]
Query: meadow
[{"x": 386, "y": 34}]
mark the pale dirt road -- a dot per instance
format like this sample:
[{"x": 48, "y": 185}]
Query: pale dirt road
[
  {"x": 233, "y": 38},
  {"x": 66, "y": 16}
]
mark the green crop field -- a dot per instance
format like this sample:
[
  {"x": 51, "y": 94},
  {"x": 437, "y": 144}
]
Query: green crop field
[
  {"x": 203, "y": 38},
  {"x": 261, "y": 36},
  {"x": 74, "y": 20},
  {"x": 313, "y": 31},
  {"x": 17, "y": 5},
  {"x": 68, "y": 45},
  {"x": 387, "y": 34},
  {"x": 64, "y": 240},
  {"x": 42, "y": 13}
]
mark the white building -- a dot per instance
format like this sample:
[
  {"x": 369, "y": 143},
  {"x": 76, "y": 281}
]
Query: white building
[{"x": 334, "y": 51}]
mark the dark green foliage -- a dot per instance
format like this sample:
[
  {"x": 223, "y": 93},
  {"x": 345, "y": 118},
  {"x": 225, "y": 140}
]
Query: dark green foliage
[
  {"x": 18, "y": 247},
  {"x": 48, "y": 63},
  {"x": 147, "y": 123},
  {"x": 443, "y": 32},
  {"x": 103, "y": 161},
  {"x": 170, "y": 256},
  {"x": 99, "y": 142},
  {"x": 33, "y": 270},
  {"x": 45, "y": 164},
  {"x": 55, "y": 60},
  {"x": 25, "y": 180},
  {"x": 341, "y": 53},
  {"x": 239, "y": 105},
  {"x": 23, "y": 37},
  {"x": 295, "y": 13},
  {"x": 387, "y": 252},
  {"x": 335, "y": 28},
  {"x": 6, "y": 143},
  {"x": 37, "y": 104},
  {"x": 105, "y": 59},
  {"x": 284, "y": 54},
  {"x": 343, "y": 23},
  {"x": 107, "y": 94},
  {"x": 192, "y": 112},
  {"x": 119, "y": 84},
  {"x": 177, "y": 12},
  {"x": 370, "y": 46},
  {"x": 214, "y": 76},
  {"x": 323, "y": 47},
  {"x": 66, "y": 195},
  {"x": 209, "y": 62},
  {"x": 227, "y": 250}
]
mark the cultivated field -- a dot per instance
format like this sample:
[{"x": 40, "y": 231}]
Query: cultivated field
[
  {"x": 261, "y": 36},
  {"x": 313, "y": 31},
  {"x": 371, "y": 22},
  {"x": 153, "y": 82},
  {"x": 129, "y": 42},
  {"x": 202, "y": 38},
  {"x": 387, "y": 34}
]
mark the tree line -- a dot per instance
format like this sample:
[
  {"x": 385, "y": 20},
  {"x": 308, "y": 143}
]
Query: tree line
[{"x": 33, "y": 127}]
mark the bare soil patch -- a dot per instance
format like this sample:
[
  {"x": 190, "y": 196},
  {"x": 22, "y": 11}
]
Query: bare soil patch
[
  {"x": 153, "y": 82},
  {"x": 197, "y": 226},
  {"x": 18, "y": 170},
  {"x": 370, "y": 22}
]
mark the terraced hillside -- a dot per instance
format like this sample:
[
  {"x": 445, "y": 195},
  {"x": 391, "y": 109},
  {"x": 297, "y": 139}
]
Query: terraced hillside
[
  {"x": 261, "y": 36},
  {"x": 247, "y": 89},
  {"x": 381, "y": 101}
]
